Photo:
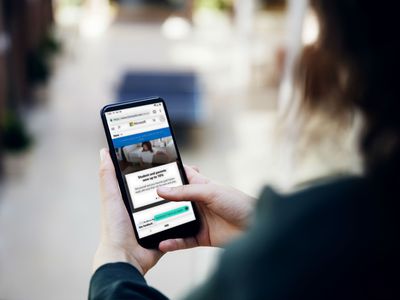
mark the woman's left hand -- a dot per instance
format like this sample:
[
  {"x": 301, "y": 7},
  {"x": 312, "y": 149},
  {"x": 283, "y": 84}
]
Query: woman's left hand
[{"x": 118, "y": 242}]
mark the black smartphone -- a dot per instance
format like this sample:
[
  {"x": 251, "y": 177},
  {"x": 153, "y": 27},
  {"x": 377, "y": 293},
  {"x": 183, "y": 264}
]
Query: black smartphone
[{"x": 145, "y": 156}]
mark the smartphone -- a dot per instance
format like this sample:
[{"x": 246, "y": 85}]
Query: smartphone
[{"x": 145, "y": 156}]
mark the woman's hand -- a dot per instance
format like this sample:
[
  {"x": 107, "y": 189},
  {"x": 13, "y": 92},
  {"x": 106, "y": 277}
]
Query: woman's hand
[
  {"x": 118, "y": 242},
  {"x": 225, "y": 212}
]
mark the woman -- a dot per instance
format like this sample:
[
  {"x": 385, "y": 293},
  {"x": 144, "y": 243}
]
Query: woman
[
  {"x": 147, "y": 147},
  {"x": 335, "y": 240},
  {"x": 146, "y": 155}
]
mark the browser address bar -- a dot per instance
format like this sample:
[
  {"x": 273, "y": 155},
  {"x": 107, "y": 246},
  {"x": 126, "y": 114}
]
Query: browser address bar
[
  {"x": 132, "y": 126},
  {"x": 130, "y": 117}
]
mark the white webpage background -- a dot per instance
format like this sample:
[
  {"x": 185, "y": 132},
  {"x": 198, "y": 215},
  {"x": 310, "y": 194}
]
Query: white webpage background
[{"x": 150, "y": 196}]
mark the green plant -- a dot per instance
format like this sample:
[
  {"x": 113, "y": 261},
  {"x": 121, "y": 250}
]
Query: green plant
[
  {"x": 14, "y": 137},
  {"x": 38, "y": 60},
  {"x": 38, "y": 67},
  {"x": 51, "y": 45}
]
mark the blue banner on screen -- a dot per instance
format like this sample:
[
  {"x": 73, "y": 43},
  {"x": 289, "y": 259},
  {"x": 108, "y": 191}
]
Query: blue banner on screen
[{"x": 141, "y": 137}]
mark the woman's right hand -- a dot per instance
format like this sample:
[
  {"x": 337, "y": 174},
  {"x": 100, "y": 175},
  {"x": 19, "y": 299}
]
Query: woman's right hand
[{"x": 225, "y": 212}]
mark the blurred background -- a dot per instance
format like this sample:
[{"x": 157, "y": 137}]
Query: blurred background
[{"x": 223, "y": 67}]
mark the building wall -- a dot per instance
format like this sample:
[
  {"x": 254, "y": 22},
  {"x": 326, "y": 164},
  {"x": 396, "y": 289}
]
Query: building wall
[{"x": 23, "y": 26}]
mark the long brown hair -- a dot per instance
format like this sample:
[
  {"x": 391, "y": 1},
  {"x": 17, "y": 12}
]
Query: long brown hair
[
  {"x": 148, "y": 145},
  {"x": 353, "y": 66}
]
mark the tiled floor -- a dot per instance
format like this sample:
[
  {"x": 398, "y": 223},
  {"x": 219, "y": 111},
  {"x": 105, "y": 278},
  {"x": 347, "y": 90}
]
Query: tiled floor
[{"x": 49, "y": 206}]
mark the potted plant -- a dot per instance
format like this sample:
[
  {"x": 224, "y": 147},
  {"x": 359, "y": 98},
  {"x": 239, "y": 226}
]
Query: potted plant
[{"x": 15, "y": 142}]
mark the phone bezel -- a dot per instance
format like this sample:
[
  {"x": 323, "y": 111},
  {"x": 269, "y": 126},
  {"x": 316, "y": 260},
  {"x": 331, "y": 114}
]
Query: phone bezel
[{"x": 181, "y": 231}]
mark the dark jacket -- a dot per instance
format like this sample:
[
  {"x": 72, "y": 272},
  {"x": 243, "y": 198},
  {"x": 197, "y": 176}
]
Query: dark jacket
[{"x": 336, "y": 240}]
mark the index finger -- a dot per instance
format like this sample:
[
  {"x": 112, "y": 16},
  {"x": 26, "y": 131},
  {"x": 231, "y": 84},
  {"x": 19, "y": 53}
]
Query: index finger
[{"x": 190, "y": 192}]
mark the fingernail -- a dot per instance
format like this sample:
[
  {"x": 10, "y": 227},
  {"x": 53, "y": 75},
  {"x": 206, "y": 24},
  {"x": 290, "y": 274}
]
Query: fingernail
[{"x": 164, "y": 190}]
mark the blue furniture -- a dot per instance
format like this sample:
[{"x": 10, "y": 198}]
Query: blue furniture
[{"x": 180, "y": 90}]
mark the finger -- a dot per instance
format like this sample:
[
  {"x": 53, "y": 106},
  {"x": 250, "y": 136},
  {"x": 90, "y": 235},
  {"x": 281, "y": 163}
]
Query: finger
[
  {"x": 191, "y": 192},
  {"x": 105, "y": 161},
  {"x": 194, "y": 176},
  {"x": 108, "y": 180},
  {"x": 196, "y": 168},
  {"x": 177, "y": 244},
  {"x": 190, "y": 172}
]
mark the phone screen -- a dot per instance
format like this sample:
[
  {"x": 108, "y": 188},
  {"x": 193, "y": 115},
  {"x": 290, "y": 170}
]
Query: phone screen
[{"x": 148, "y": 159}]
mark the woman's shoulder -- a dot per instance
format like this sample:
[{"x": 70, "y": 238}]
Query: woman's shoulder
[
  {"x": 310, "y": 232},
  {"x": 318, "y": 186},
  {"x": 327, "y": 212},
  {"x": 319, "y": 193}
]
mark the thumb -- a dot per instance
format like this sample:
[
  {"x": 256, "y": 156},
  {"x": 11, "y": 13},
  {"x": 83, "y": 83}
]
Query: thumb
[
  {"x": 108, "y": 181},
  {"x": 191, "y": 192}
]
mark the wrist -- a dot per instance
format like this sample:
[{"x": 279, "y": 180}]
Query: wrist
[{"x": 110, "y": 254}]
